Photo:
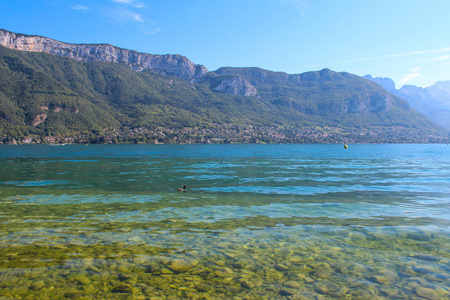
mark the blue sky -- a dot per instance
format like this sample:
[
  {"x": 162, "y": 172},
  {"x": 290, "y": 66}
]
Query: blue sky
[{"x": 408, "y": 41}]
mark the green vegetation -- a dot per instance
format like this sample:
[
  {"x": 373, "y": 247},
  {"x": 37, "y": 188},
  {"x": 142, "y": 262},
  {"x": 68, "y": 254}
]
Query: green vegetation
[
  {"x": 42, "y": 95},
  {"x": 327, "y": 98}
]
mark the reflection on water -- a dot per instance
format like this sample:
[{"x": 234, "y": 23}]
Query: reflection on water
[{"x": 257, "y": 222}]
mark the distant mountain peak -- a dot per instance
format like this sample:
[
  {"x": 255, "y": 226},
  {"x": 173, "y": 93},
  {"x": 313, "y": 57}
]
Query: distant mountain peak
[
  {"x": 433, "y": 101},
  {"x": 387, "y": 83}
]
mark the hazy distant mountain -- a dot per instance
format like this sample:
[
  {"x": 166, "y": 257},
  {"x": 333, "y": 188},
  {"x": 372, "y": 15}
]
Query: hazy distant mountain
[
  {"x": 433, "y": 101},
  {"x": 385, "y": 82},
  {"x": 87, "y": 89}
]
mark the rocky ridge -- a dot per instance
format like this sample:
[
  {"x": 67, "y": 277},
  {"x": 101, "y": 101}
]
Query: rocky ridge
[{"x": 170, "y": 64}]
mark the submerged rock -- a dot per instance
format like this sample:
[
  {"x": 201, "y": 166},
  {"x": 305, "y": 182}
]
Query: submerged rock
[
  {"x": 419, "y": 237},
  {"x": 224, "y": 272},
  {"x": 426, "y": 257},
  {"x": 37, "y": 285},
  {"x": 288, "y": 292},
  {"x": 426, "y": 293},
  {"x": 421, "y": 269},
  {"x": 281, "y": 267},
  {"x": 123, "y": 288},
  {"x": 247, "y": 284},
  {"x": 73, "y": 295},
  {"x": 383, "y": 279},
  {"x": 292, "y": 284},
  {"x": 180, "y": 265},
  {"x": 321, "y": 289}
]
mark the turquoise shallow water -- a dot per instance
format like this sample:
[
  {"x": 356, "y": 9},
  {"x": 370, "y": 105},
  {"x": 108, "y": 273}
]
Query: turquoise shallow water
[{"x": 257, "y": 222}]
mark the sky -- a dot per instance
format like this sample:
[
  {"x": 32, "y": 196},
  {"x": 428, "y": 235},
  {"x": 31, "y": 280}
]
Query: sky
[{"x": 406, "y": 40}]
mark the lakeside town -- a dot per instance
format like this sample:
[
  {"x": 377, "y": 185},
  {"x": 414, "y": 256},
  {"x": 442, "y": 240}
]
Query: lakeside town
[{"x": 220, "y": 134}]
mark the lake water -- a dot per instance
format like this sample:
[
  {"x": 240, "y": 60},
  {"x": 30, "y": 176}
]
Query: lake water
[{"x": 256, "y": 222}]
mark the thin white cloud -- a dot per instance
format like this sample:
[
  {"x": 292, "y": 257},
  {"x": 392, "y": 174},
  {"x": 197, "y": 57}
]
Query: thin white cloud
[
  {"x": 302, "y": 6},
  {"x": 414, "y": 73},
  {"x": 133, "y": 3},
  {"x": 80, "y": 7},
  {"x": 123, "y": 15},
  {"x": 154, "y": 31},
  {"x": 122, "y": 12},
  {"x": 443, "y": 58},
  {"x": 125, "y": 11},
  {"x": 396, "y": 55}
]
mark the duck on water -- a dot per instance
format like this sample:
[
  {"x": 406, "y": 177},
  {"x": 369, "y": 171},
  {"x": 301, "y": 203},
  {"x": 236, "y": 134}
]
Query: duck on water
[{"x": 184, "y": 189}]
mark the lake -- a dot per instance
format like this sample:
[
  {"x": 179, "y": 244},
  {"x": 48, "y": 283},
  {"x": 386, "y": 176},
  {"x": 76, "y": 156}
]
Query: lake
[{"x": 256, "y": 222}]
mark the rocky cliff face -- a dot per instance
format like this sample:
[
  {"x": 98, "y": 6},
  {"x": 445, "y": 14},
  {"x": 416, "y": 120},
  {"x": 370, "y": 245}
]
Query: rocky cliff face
[
  {"x": 175, "y": 65},
  {"x": 369, "y": 102},
  {"x": 235, "y": 85}
]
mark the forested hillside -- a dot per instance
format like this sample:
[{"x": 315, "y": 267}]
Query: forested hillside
[{"x": 44, "y": 95}]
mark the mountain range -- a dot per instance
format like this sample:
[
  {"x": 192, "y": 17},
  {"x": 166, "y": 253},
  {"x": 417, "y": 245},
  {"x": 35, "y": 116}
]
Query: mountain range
[
  {"x": 87, "y": 91},
  {"x": 433, "y": 101}
]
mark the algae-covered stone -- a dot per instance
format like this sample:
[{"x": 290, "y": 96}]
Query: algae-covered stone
[
  {"x": 82, "y": 279},
  {"x": 229, "y": 254},
  {"x": 292, "y": 284},
  {"x": 123, "y": 268},
  {"x": 224, "y": 272},
  {"x": 426, "y": 257},
  {"x": 423, "y": 269},
  {"x": 295, "y": 259},
  {"x": 357, "y": 235},
  {"x": 123, "y": 288},
  {"x": 391, "y": 292},
  {"x": 281, "y": 267},
  {"x": 37, "y": 285},
  {"x": 180, "y": 265},
  {"x": 89, "y": 289},
  {"x": 383, "y": 279},
  {"x": 73, "y": 295},
  {"x": 355, "y": 283},
  {"x": 361, "y": 294},
  {"x": 247, "y": 284},
  {"x": 93, "y": 269},
  {"x": 125, "y": 277},
  {"x": 321, "y": 289},
  {"x": 288, "y": 292},
  {"x": 309, "y": 279},
  {"x": 426, "y": 293},
  {"x": 153, "y": 268},
  {"x": 273, "y": 274},
  {"x": 419, "y": 237},
  {"x": 334, "y": 290},
  {"x": 322, "y": 274},
  {"x": 139, "y": 260},
  {"x": 227, "y": 280}
]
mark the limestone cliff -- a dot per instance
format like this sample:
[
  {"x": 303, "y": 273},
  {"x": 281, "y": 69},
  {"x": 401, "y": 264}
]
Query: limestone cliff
[
  {"x": 175, "y": 65},
  {"x": 387, "y": 83},
  {"x": 235, "y": 85}
]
